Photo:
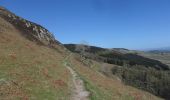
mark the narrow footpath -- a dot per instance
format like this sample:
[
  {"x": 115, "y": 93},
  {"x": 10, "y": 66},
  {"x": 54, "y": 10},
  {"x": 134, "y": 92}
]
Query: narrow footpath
[{"x": 79, "y": 92}]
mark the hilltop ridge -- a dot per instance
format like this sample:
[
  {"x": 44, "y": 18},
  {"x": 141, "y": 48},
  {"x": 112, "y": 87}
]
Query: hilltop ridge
[{"x": 31, "y": 30}]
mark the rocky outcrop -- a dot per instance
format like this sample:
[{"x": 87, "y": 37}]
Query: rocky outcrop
[{"x": 30, "y": 29}]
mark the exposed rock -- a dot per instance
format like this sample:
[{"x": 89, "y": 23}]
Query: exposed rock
[
  {"x": 36, "y": 31},
  {"x": 28, "y": 25}
]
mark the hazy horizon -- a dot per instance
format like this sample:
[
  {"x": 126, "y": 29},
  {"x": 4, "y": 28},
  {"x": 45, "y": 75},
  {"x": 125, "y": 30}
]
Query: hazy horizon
[{"x": 131, "y": 24}]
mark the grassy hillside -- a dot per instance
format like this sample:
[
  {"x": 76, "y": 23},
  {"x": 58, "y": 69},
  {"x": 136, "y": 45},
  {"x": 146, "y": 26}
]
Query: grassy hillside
[
  {"x": 33, "y": 69},
  {"x": 29, "y": 70},
  {"x": 142, "y": 72},
  {"x": 103, "y": 87}
]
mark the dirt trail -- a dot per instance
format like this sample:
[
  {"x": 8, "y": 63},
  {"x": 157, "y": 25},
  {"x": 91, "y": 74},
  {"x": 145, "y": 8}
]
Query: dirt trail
[{"x": 79, "y": 91}]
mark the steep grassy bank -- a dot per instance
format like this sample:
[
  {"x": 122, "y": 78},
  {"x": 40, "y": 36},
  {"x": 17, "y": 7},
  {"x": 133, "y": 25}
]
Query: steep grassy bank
[{"x": 29, "y": 70}]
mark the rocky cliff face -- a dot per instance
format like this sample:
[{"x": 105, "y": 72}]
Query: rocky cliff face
[{"x": 29, "y": 29}]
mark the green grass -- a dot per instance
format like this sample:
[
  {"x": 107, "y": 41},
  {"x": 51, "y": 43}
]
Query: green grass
[{"x": 96, "y": 93}]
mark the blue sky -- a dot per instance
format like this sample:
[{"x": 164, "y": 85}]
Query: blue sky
[{"x": 132, "y": 24}]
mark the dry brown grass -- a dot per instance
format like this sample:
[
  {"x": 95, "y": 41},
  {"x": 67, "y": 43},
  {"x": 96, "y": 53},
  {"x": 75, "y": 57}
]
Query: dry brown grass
[{"x": 28, "y": 70}]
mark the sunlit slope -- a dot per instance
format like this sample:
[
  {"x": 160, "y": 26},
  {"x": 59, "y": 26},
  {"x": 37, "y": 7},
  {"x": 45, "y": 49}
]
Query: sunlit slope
[
  {"x": 29, "y": 70},
  {"x": 103, "y": 87},
  {"x": 32, "y": 68}
]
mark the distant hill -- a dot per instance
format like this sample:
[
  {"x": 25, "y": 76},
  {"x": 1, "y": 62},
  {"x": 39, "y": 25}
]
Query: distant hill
[
  {"x": 160, "y": 50},
  {"x": 118, "y": 56}
]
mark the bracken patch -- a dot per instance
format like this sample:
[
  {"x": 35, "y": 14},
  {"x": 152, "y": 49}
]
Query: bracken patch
[{"x": 59, "y": 83}]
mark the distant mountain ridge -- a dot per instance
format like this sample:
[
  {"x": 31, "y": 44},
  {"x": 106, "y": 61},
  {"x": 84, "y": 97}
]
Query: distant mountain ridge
[
  {"x": 160, "y": 50},
  {"x": 116, "y": 56}
]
